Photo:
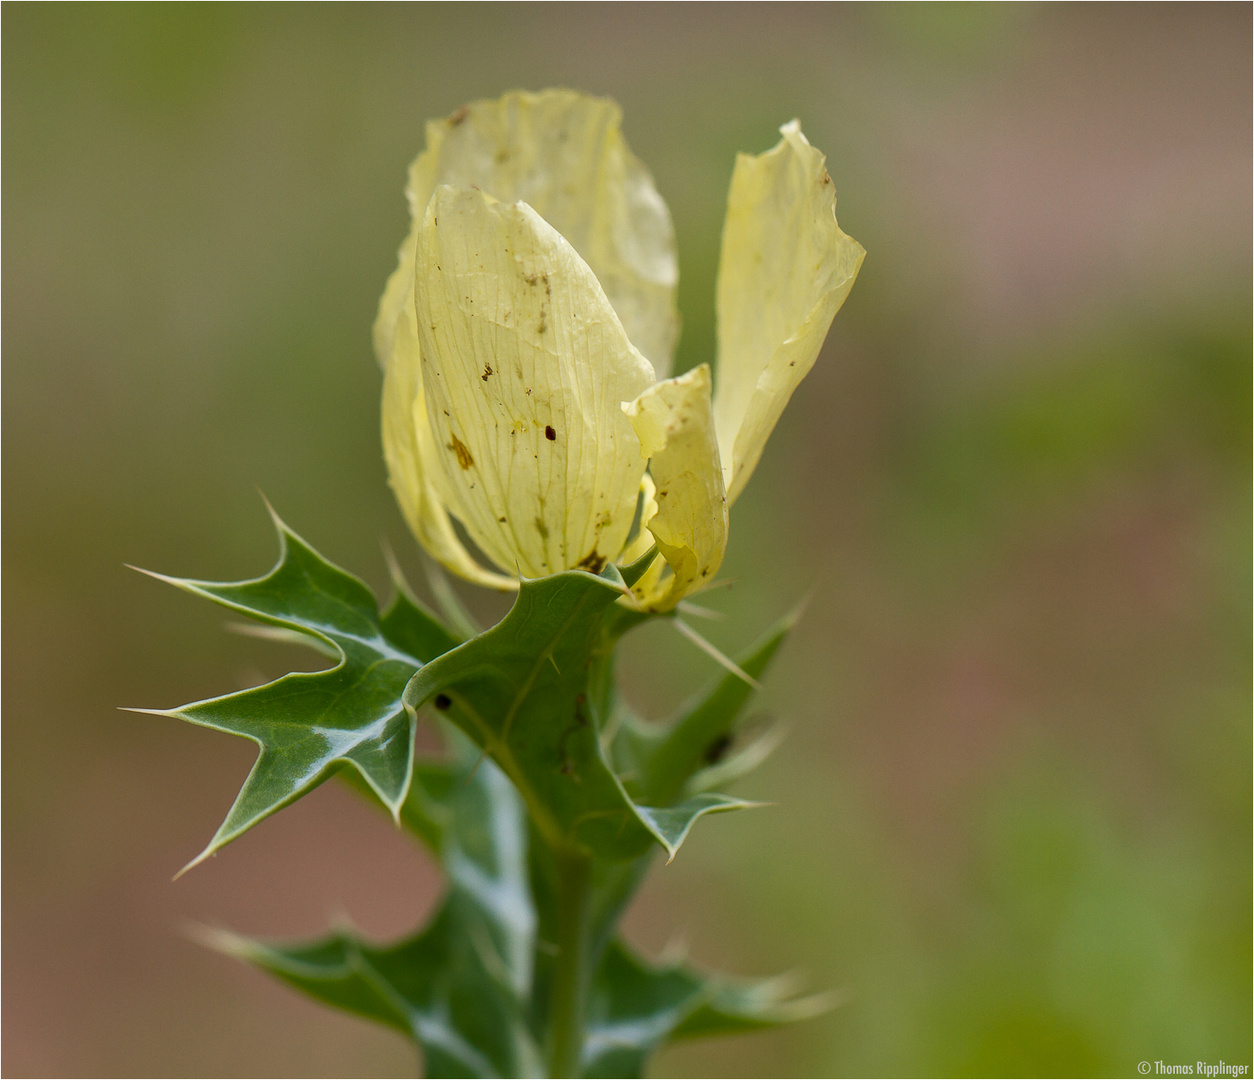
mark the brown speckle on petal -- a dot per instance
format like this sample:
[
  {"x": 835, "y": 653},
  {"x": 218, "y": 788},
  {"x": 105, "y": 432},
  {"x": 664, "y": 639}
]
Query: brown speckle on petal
[
  {"x": 459, "y": 448},
  {"x": 592, "y": 562}
]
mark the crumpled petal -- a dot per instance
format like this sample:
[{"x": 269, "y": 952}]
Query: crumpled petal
[
  {"x": 638, "y": 545},
  {"x": 674, "y": 421},
  {"x": 524, "y": 367},
  {"x": 404, "y": 412},
  {"x": 563, "y": 153},
  {"x": 784, "y": 272}
]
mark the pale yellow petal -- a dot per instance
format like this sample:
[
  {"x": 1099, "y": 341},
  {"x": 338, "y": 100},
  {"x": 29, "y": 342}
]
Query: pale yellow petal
[
  {"x": 403, "y": 412},
  {"x": 562, "y": 153},
  {"x": 784, "y": 272},
  {"x": 397, "y": 301},
  {"x": 674, "y": 421},
  {"x": 524, "y": 367},
  {"x": 646, "y": 586}
]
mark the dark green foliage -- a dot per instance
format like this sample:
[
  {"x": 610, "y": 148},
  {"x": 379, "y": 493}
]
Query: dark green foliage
[
  {"x": 460, "y": 986},
  {"x": 526, "y": 692},
  {"x": 534, "y": 734},
  {"x": 309, "y": 724}
]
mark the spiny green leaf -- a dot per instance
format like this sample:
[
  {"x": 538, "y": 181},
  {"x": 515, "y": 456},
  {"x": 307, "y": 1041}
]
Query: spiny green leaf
[
  {"x": 529, "y": 691},
  {"x": 634, "y": 571},
  {"x": 307, "y": 725},
  {"x": 656, "y": 761},
  {"x": 735, "y": 1006},
  {"x": 437, "y": 988},
  {"x": 434, "y": 987},
  {"x": 636, "y": 1006},
  {"x": 520, "y": 690},
  {"x": 485, "y": 856},
  {"x": 670, "y": 824},
  {"x": 460, "y": 987}
]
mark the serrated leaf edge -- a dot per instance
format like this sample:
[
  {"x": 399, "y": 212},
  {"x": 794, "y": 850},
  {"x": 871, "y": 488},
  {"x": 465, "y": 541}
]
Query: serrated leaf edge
[
  {"x": 200, "y": 587},
  {"x": 221, "y": 838}
]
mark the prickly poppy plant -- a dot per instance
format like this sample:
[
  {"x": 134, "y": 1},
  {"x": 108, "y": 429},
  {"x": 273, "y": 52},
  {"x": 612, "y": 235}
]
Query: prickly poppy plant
[{"x": 526, "y": 339}]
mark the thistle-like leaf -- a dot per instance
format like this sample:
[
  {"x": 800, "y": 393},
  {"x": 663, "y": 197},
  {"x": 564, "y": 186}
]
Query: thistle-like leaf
[
  {"x": 465, "y": 987},
  {"x": 636, "y": 1006},
  {"x": 460, "y": 987},
  {"x": 435, "y": 987},
  {"x": 438, "y": 988},
  {"x": 526, "y": 691},
  {"x": 309, "y": 724}
]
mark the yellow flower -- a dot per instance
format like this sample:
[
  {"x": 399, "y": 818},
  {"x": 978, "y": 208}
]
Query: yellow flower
[{"x": 532, "y": 314}]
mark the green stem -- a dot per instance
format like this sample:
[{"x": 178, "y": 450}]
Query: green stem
[{"x": 571, "y": 975}]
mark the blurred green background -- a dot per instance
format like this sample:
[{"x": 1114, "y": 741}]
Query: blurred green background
[{"x": 1012, "y": 820}]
